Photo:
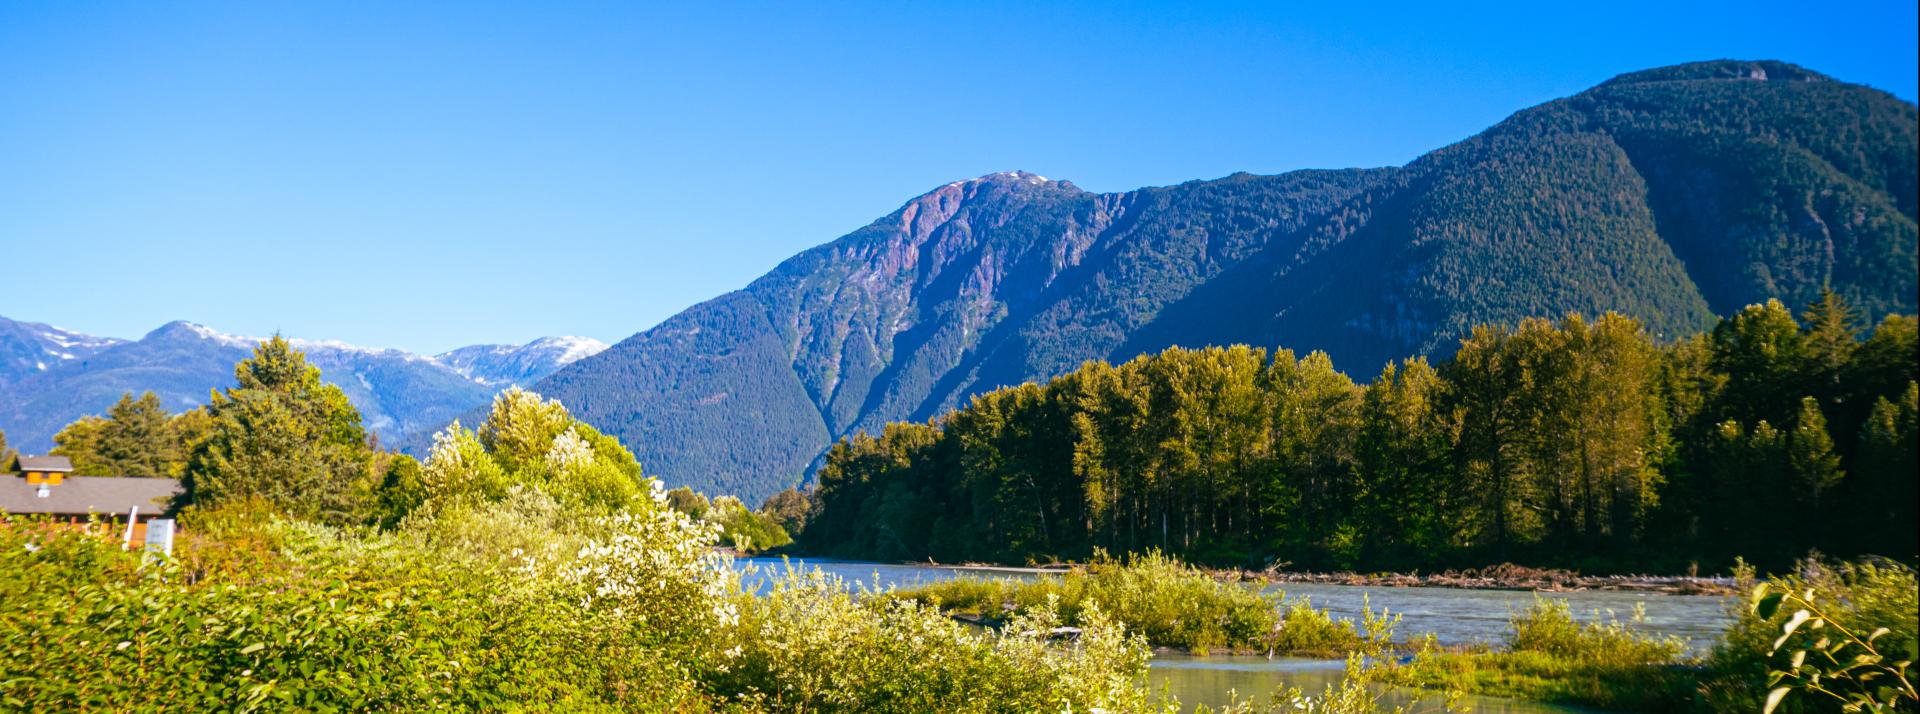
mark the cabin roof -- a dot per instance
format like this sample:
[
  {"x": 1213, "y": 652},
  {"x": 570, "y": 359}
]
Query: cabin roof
[
  {"x": 46, "y": 463},
  {"x": 80, "y": 495}
]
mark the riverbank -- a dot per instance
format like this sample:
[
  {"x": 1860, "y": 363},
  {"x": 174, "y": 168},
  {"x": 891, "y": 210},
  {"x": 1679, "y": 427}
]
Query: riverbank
[
  {"x": 1514, "y": 577},
  {"x": 1507, "y": 576}
]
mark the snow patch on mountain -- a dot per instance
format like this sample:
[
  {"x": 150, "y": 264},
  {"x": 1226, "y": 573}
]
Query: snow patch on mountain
[{"x": 519, "y": 364}]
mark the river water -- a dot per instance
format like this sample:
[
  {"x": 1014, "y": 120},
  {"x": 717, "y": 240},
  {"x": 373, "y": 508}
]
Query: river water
[{"x": 1453, "y": 615}]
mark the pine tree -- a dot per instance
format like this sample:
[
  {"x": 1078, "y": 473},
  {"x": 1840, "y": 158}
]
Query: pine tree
[
  {"x": 1814, "y": 465},
  {"x": 1814, "y": 471},
  {"x": 284, "y": 437},
  {"x": 1886, "y": 477},
  {"x": 138, "y": 439},
  {"x": 1830, "y": 340},
  {"x": 79, "y": 441}
]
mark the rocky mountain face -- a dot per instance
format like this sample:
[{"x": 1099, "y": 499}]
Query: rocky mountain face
[
  {"x": 398, "y": 393},
  {"x": 1670, "y": 195}
]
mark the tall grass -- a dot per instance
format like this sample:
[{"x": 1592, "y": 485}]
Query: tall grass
[
  {"x": 1168, "y": 602},
  {"x": 1551, "y": 656}
]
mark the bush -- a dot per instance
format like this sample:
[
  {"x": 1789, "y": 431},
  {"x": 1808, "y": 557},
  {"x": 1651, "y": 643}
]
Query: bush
[
  {"x": 1168, "y": 602},
  {"x": 514, "y": 604},
  {"x": 809, "y": 645},
  {"x": 1860, "y": 599},
  {"x": 1549, "y": 656}
]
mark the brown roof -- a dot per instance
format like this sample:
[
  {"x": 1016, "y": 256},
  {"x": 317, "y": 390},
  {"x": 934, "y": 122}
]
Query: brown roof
[
  {"x": 80, "y": 495},
  {"x": 45, "y": 463}
]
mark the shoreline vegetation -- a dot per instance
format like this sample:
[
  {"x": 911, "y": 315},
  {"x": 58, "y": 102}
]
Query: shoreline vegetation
[
  {"x": 1506, "y": 576},
  {"x": 1547, "y": 655},
  {"x": 1576, "y": 445},
  {"x": 528, "y": 563}
]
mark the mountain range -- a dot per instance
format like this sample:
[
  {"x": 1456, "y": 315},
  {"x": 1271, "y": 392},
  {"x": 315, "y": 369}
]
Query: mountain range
[
  {"x": 1671, "y": 195},
  {"x": 50, "y": 376}
]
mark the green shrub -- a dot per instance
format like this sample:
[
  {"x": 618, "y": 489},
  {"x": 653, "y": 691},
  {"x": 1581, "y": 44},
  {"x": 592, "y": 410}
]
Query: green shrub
[
  {"x": 809, "y": 645},
  {"x": 1548, "y": 627},
  {"x": 1550, "y": 656},
  {"x": 1859, "y": 599},
  {"x": 1166, "y": 601},
  {"x": 516, "y": 604}
]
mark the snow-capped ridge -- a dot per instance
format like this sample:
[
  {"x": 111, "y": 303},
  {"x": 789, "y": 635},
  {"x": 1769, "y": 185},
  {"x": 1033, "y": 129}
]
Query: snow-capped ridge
[{"x": 519, "y": 364}]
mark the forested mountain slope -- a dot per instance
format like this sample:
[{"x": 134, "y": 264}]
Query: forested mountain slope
[{"x": 1669, "y": 195}]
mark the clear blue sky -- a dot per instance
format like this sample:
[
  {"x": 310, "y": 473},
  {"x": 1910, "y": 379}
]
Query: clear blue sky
[{"x": 471, "y": 172}]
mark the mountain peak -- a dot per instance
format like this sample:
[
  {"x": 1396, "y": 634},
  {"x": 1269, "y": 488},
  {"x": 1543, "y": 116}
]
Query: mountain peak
[
  {"x": 1012, "y": 178},
  {"x": 1725, "y": 69},
  {"x": 182, "y": 329},
  {"x": 519, "y": 364}
]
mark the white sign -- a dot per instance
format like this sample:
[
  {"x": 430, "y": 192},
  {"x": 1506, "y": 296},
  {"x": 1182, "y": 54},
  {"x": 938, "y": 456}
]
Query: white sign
[{"x": 160, "y": 536}]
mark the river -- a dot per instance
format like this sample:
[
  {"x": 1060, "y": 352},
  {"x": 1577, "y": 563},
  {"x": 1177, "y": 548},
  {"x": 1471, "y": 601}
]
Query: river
[{"x": 1453, "y": 615}]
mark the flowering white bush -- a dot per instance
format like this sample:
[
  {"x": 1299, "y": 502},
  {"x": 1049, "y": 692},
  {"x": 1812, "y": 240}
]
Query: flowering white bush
[{"x": 656, "y": 568}]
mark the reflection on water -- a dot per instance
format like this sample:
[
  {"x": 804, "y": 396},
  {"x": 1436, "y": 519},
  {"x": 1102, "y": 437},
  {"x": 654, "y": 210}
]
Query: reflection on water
[
  {"x": 1454, "y": 616},
  {"x": 1215, "y": 680},
  {"x": 1458, "y": 616}
]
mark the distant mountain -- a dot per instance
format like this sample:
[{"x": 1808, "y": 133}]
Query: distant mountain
[
  {"x": 519, "y": 364},
  {"x": 29, "y": 348},
  {"x": 398, "y": 393},
  {"x": 1671, "y": 195}
]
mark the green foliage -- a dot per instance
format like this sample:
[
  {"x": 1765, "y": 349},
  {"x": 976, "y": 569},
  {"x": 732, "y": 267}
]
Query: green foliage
[
  {"x": 808, "y": 645},
  {"x": 788, "y": 509},
  {"x": 283, "y": 436},
  {"x": 1823, "y": 639},
  {"x": 1352, "y": 695},
  {"x": 1167, "y": 602},
  {"x": 1834, "y": 662},
  {"x": 137, "y": 437},
  {"x": 1548, "y": 627},
  {"x": 526, "y": 442},
  {"x": 1578, "y": 443},
  {"x": 1549, "y": 656},
  {"x": 522, "y": 603},
  {"x": 745, "y": 531}
]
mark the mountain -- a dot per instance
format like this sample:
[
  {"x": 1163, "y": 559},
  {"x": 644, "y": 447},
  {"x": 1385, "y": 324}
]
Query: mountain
[
  {"x": 1670, "y": 195},
  {"x": 519, "y": 364},
  {"x": 29, "y": 348},
  {"x": 398, "y": 393}
]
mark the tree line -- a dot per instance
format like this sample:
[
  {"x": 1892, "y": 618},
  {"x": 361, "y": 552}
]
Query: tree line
[{"x": 1578, "y": 443}]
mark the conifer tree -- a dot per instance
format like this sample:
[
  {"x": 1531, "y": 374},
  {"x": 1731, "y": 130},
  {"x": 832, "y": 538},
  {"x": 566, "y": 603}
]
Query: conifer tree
[
  {"x": 1815, "y": 468},
  {"x": 79, "y": 441},
  {"x": 1831, "y": 339},
  {"x": 137, "y": 437},
  {"x": 284, "y": 437},
  {"x": 1886, "y": 476}
]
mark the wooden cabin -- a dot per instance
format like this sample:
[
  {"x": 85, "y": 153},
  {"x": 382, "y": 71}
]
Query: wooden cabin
[{"x": 45, "y": 485}]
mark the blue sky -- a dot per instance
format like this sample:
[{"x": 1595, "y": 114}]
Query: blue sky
[{"x": 433, "y": 176}]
